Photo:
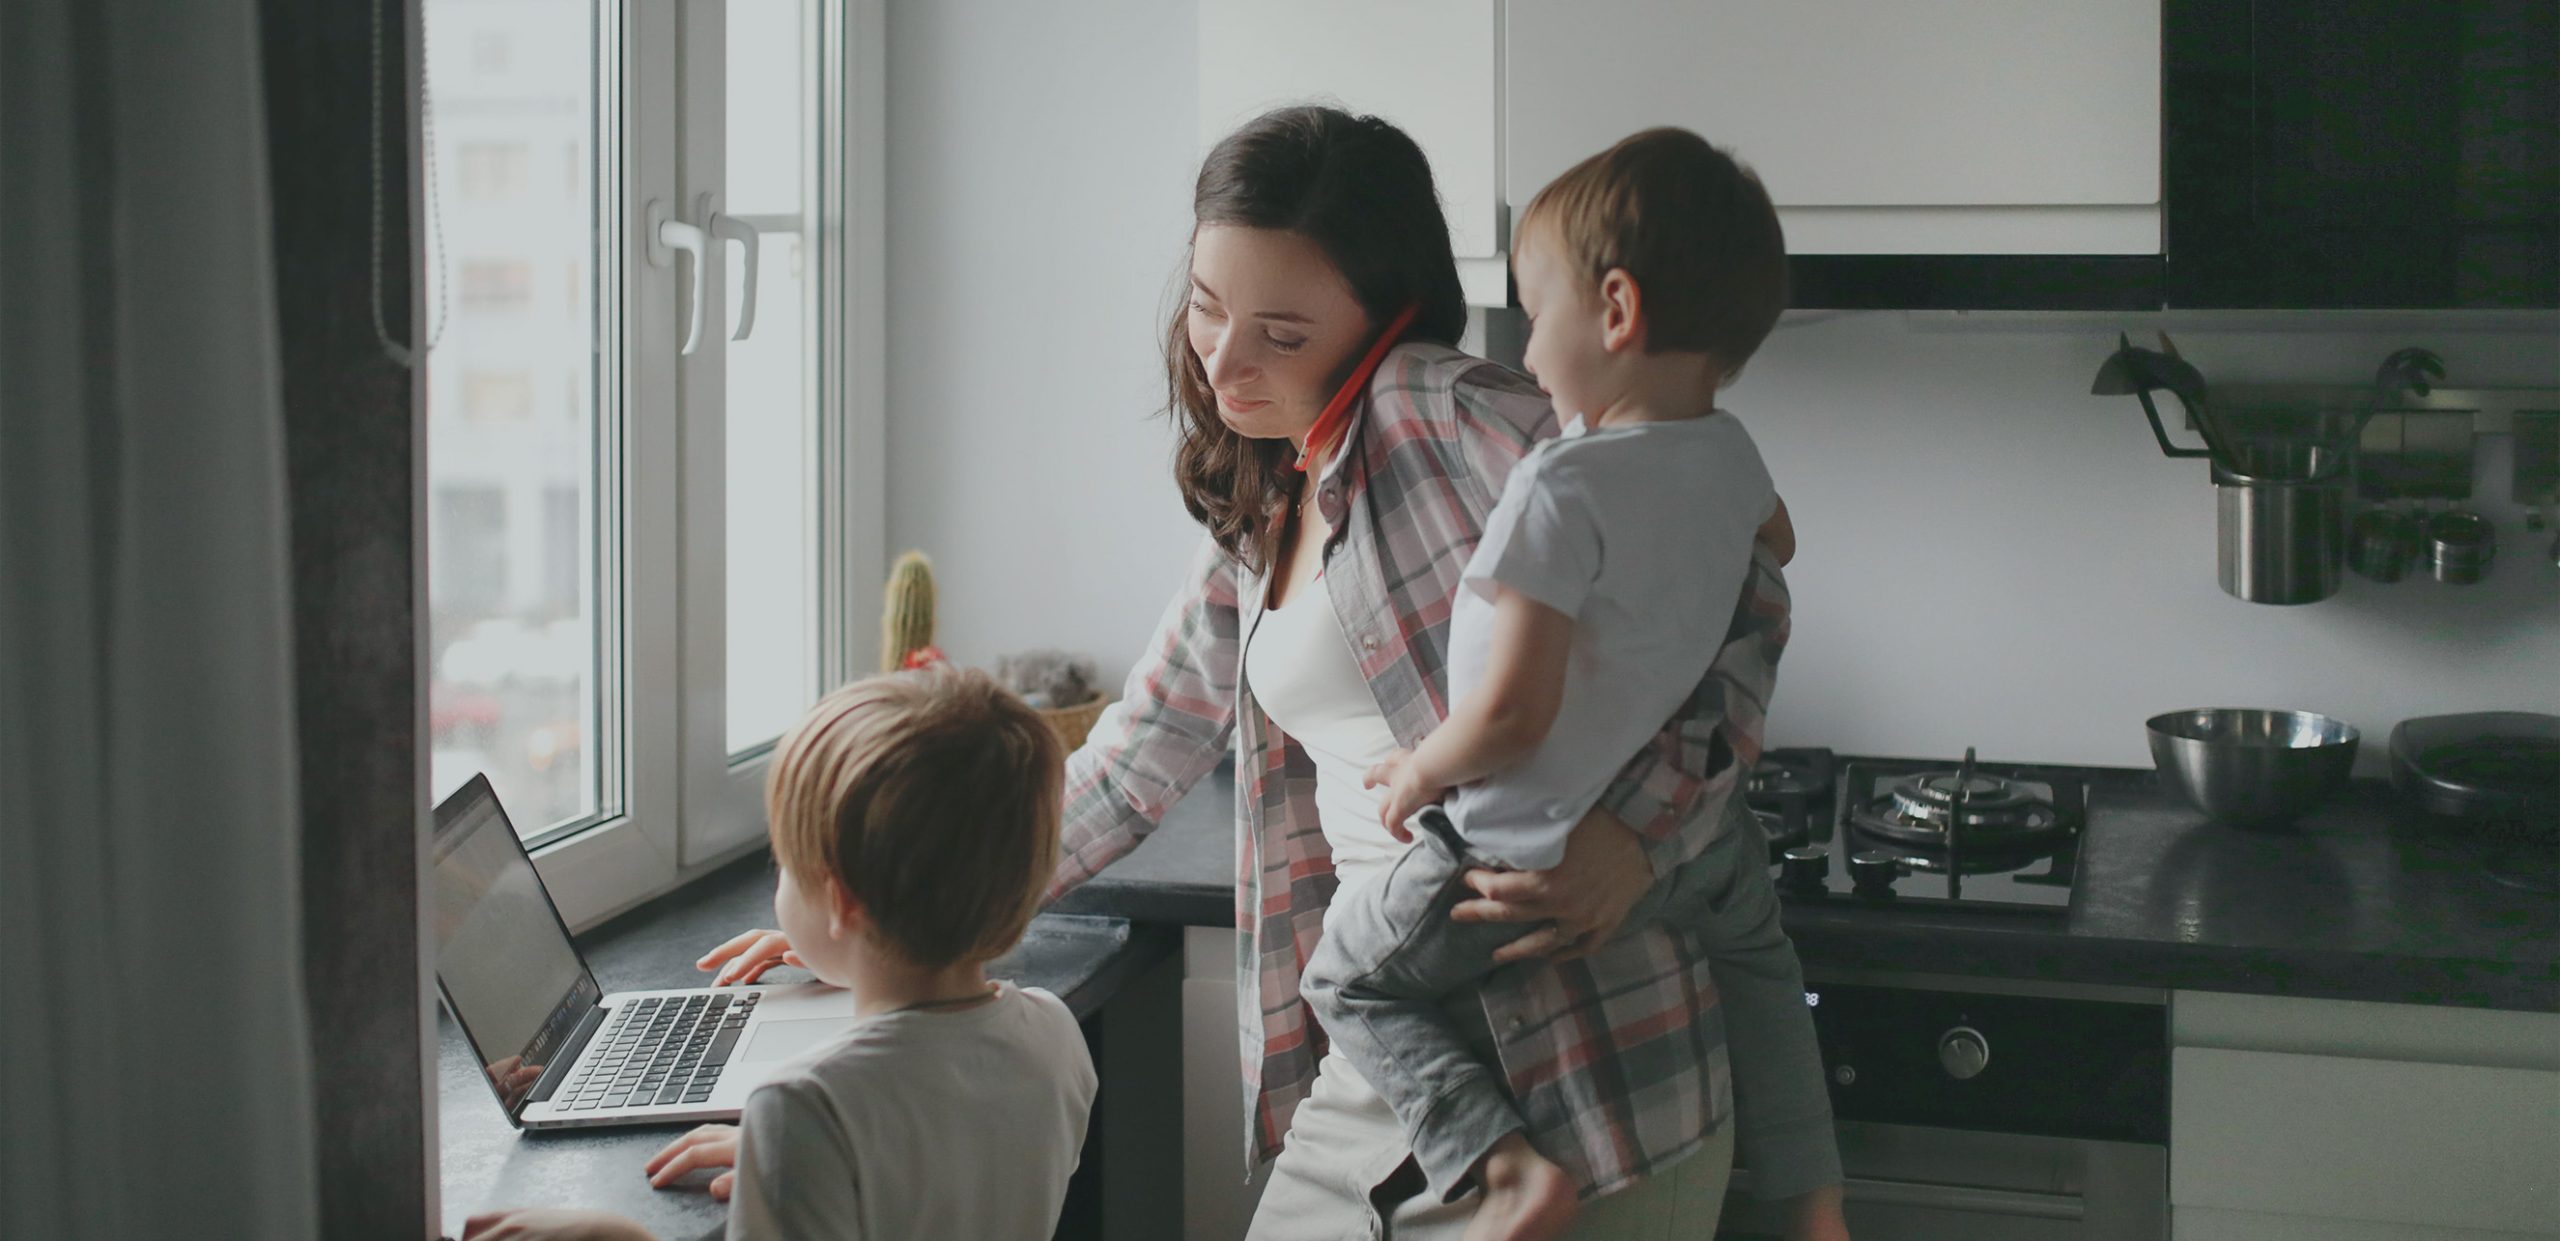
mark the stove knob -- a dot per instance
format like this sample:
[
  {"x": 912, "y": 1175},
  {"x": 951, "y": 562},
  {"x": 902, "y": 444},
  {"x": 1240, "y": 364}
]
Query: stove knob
[
  {"x": 1873, "y": 871},
  {"x": 1963, "y": 1053},
  {"x": 1807, "y": 867}
]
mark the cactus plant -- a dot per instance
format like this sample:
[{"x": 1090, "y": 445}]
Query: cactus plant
[{"x": 906, "y": 620}]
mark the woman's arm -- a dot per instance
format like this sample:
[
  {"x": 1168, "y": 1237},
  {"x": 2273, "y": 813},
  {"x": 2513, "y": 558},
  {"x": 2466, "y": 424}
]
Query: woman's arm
[
  {"x": 1169, "y": 728},
  {"x": 1500, "y": 722}
]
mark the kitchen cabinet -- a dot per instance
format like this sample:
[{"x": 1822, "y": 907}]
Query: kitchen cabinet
[
  {"x": 1430, "y": 66},
  {"x": 1994, "y": 154},
  {"x": 1217, "y": 1196},
  {"x": 2362, "y": 153},
  {"x": 1982, "y": 127},
  {"x": 2336, "y": 1119}
]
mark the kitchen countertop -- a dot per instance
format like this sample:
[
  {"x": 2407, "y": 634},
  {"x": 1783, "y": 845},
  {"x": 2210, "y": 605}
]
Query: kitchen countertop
[
  {"x": 486, "y": 1163},
  {"x": 2360, "y": 900}
]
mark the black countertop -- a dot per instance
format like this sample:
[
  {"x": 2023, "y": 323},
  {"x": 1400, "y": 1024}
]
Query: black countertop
[
  {"x": 486, "y": 1163},
  {"x": 2360, "y": 900}
]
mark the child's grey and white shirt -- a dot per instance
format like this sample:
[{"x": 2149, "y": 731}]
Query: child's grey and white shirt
[
  {"x": 1642, "y": 534},
  {"x": 918, "y": 1124}
]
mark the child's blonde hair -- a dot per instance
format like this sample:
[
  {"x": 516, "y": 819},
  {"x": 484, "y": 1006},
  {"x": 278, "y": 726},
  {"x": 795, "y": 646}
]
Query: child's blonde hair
[
  {"x": 933, "y": 797},
  {"x": 1689, "y": 223}
]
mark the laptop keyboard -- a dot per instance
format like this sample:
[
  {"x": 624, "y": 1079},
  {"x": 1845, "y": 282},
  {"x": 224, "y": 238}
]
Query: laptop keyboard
[{"x": 659, "y": 1051}]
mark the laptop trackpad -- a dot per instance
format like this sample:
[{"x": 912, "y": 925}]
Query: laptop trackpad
[{"x": 776, "y": 1040}]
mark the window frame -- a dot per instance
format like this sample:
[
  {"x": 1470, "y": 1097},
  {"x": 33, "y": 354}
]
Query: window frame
[{"x": 674, "y": 803}]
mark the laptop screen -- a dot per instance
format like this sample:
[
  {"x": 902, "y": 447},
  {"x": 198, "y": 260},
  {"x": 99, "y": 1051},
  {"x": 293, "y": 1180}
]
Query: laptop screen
[{"x": 503, "y": 958}]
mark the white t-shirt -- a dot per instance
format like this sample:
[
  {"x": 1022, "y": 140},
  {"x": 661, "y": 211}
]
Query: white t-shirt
[
  {"x": 1642, "y": 534},
  {"x": 958, "y": 1123},
  {"x": 1304, "y": 676}
]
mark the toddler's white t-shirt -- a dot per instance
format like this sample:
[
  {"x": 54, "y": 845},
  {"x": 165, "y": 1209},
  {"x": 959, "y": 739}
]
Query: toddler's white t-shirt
[
  {"x": 1642, "y": 534},
  {"x": 920, "y": 1124}
]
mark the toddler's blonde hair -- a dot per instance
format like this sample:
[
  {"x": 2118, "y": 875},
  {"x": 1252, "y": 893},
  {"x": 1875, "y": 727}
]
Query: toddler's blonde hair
[
  {"x": 933, "y": 797},
  {"x": 1689, "y": 223}
]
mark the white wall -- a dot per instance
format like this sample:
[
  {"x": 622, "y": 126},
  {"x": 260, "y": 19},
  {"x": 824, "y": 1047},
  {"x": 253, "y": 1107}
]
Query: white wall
[
  {"x": 1040, "y": 162},
  {"x": 1991, "y": 557}
]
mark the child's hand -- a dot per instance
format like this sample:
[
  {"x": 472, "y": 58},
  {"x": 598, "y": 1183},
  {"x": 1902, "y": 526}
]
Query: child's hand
[
  {"x": 711, "y": 1146},
  {"x": 1408, "y": 790},
  {"x": 749, "y": 955},
  {"x": 544, "y": 1224}
]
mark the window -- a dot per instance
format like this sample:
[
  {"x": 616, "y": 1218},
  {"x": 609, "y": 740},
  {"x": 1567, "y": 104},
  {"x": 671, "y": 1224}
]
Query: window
[
  {"x": 647, "y": 561},
  {"x": 495, "y": 285},
  {"x": 491, "y": 52},
  {"x": 497, "y": 396},
  {"x": 492, "y": 171}
]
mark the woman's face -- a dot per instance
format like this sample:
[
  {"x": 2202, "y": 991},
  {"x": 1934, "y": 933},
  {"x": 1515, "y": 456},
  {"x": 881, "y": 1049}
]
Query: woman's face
[{"x": 1275, "y": 326}]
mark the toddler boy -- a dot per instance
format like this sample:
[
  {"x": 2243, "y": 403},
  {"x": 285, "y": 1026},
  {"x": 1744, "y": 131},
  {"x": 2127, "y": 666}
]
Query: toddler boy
[{"x": 1609, "y": 584}]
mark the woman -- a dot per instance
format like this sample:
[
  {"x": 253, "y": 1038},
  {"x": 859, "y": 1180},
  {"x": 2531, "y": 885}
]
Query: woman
[{"x": 1343, "y": 455}]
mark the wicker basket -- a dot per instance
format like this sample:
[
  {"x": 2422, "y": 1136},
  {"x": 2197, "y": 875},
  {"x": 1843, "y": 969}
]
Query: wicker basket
[{"x": 1072, "y": 723}]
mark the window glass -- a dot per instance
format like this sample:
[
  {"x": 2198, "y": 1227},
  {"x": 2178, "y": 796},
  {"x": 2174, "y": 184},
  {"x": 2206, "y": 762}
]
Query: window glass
[{"x": 513, "y": 613}]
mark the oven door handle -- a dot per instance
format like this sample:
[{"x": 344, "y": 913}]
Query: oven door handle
[{"x": 2012, "y": 1202}]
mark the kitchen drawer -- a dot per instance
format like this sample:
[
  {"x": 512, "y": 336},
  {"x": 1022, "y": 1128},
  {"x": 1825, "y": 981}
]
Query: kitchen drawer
[{"x": 2349, "y": 1138}]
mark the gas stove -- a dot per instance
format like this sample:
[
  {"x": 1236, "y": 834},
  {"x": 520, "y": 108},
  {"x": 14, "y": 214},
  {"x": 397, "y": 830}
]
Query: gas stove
[{"x": 1998, "y": 837}]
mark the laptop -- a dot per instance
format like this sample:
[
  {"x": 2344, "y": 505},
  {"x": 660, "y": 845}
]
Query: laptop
[{"x": 558, "y": 1052}]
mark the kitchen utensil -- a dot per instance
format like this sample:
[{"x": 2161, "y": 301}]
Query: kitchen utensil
[
  {"x": 2459, "y": 546},
  {"x": 2280, "y": 540},
  {"x": 2250, "y": 767},
  {"x": 2217, "y": 437},
  {"x": 2497, "y": 771},
  {"x": 2382, "y": 544},
  {"x": 2139, "y": 372}
]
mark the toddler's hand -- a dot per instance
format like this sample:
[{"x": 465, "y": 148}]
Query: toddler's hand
[
  {"x": 1407, "y": 791},
  {"x": 710, "y": 1146},
  {"x": 748, "y": 956}
]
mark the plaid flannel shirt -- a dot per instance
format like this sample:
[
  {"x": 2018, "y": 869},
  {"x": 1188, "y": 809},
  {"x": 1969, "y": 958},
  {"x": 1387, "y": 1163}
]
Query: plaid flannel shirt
[{"x": 1617, "y": 1058}]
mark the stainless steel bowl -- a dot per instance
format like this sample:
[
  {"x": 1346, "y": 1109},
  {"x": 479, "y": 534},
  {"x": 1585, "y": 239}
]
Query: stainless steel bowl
[{"x": 2253, "y": 767}]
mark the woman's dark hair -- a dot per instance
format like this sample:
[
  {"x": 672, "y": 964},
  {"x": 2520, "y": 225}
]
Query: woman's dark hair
[{"x": 1361, "y": 190}]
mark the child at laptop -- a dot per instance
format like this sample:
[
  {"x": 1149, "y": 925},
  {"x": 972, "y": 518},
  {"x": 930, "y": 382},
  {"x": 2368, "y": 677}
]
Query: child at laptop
[
  {"x": 1610, "y": 580},
  {"x": 914, "y": 819}
]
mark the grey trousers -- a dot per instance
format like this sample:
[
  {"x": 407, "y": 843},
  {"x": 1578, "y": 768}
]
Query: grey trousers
[{"x": 1389, "y": 958}]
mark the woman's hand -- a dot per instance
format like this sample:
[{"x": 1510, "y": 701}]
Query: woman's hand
[
  {"x": 710, "y": 1146},
  {"x": 1583, "y": 898},
  {"x": 1408, "y": 790},
  {"x": 543, "y": 1224},
  {"x": 749, "y": 956}
]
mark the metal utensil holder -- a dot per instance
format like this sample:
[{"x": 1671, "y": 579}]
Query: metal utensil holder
[
  {"x": 2280, "y": 535},
  {"x": 2291, "y": 461}
]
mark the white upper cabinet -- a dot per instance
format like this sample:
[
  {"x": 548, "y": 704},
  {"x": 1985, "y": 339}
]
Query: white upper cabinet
[
  {"x": 1910, "y": 127},
  {"x": 1430, "y": 66}
]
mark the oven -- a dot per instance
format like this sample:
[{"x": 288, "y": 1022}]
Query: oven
[
  {"x": 1969, "y": 1109},
  {"x": 1973, "y": 1110}
]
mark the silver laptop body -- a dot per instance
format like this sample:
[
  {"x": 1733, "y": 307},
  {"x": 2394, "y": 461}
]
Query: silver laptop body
[{"x": 557, "y": 1051}]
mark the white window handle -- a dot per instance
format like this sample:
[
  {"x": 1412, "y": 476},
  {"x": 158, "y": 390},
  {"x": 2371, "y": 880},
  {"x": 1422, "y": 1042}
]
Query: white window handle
[
  {"x": 731, "y": 228},
  {"x": 666, "y": 236}
]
